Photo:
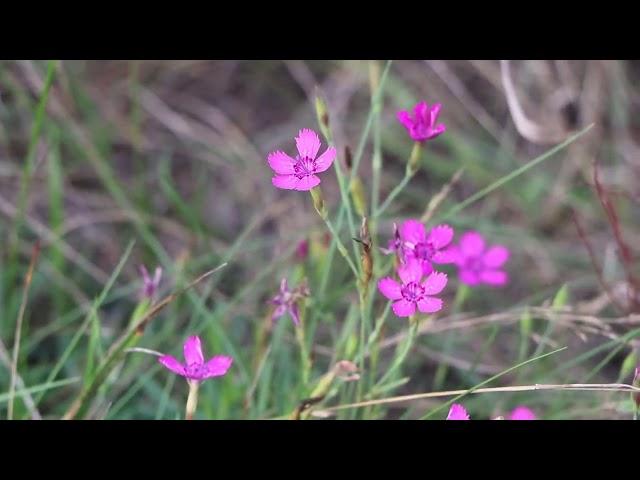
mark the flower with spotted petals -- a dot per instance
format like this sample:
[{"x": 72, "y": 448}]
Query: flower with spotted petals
[
  {"x": 299, "y": 173},
  {"x": 195, "y": 368},
  {"x": 425, "y": 247},
  {"x": 412, "y": 293}
]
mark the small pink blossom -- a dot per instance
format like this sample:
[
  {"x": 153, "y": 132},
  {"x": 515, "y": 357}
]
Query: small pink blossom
[
  {"x": 150, "y": 285},
  {"x": 412, "y": 294},
  {"x": 302, "y": 250},
  {"x": 195, "y": 368},
  {"x": 457, "y": 412},
  {"x": 422, "y": 126},
  {"x": 522, "y": 413},
  {"x": 300, "y": 173},
  {"x": 478, "y": 264},
  {"x": 286, "y": 300},
  {"x": 412, "y": 241}
]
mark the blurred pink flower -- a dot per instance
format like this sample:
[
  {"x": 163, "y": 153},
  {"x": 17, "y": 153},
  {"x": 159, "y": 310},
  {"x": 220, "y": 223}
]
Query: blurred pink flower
[
  {"x": 457, "y": 412},
  {"x": 300, "y": 173},
  {"x": 286, "y": 301},
  {"x": 150, "y": 285},
  {"x": 522, "y": 413},
  {"x": 195, "y": 368},
  {"x": 302, "y": 250},
  {"x": 412, "y": 294},
  {"x": 423, "y": 124},
  {"x": 478, "y": 264},
  {"x": 416, "y": 243}
]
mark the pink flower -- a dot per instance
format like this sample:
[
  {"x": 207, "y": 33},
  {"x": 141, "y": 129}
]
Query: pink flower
[
  {"x": 300, "y": 174},
  {"x": 423, "y": 124},
  {"x": 477, "y": 264},
  {"x": 195, "y": 368},
  {"x": 426, "y": 248},
  {"x": 150, "y": 285},
  {"x": 286, "y": 301},
  {"x": 302, "y": 250},
  {"x": 522, "y": 413},
  {"x": 412, "y": 294},
  {"x": 457, "y": 412}
]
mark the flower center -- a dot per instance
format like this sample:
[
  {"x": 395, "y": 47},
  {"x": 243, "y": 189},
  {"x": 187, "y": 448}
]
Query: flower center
[
  {"x": 474, "y": 263},
  {"x": 424, "y": 251},
  {"x": 304, "y": 167},
  {"x": 195, "y": 370},
  {"x": 413, "y": 291}
]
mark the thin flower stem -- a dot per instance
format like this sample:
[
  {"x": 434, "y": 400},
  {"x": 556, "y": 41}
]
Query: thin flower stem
[
  {"x": 192, "y": 400},
  {"x": 409, "y": 173},
  {"x": 341, "y": 247}
]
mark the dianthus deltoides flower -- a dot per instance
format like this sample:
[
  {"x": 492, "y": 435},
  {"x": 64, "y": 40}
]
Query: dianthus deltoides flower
[
  {"x": 478, "y": 264},
  {"x": 457, "y": 412},
  {"x": 412, "y": 293},
  {"x": 522, "y": 413},
  {"x": 300, "y": 173},
  {"x": 195, "y": 368},
  {"x": 422, "y": 125},
  {"x": 287, "y": 300},
  {"x": 412, "y": 241}
]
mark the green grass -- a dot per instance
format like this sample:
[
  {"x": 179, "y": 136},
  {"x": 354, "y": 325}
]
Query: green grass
[{"x": 116, "y": 164}]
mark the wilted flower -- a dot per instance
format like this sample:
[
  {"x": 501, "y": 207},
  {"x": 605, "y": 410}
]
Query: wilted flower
[
  {"x": 150, "y": 285},
  {"x": 286, "y": 300},
  {"x": 422, "y": 126}
]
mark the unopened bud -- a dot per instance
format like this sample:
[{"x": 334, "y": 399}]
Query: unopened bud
[
  {"x": 359, "y": 197},
  {"x": 323, "y": 116},
  {"x": 348, "y": 158},
  {"x": 318, "y": 202},
  {"x": 414, "y": 160},
  {"x": 347, "y": 371}
]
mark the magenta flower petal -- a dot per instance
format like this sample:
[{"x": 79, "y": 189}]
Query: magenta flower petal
[
  {"x": 457, "y": 412},
  {"x": 472, "y": 244},
  {"x": 390, "y": 288},
  {"x": 495, "y": 256},
  {"x": 324, "y": 161},
  {"x": 295, "y": 314},
  {"x": 429, "y": 305},
  {"x": 307, "y": 183},
  {"x": 404, "y": 308},
  {"x": 287, "y": 182},
  {"x": 172, "y": 364},
  {"x": 448, "y": 255},
  {"x": 434, "y": 111},
  {"x": 522, "y": 413},
  {"x": 308, "y": 143},
  {"x": 427, "y": 268},
  {"x": 439, "y": 130},
  {"x": 278, "y": 312},
  {"x": 193, "y": 351},
  {"x": 421, "y": 126},
  {"x": 410, "y": 272},
  {"x": 413, "y": 231},
  {"x": 435, "y": 283},
  {"x": 217, "y": 366},
  {"x": 469, "y": 277},
  {"x": 405, "y": 119},
  {"x": 440, "y": 236},
  {"x": 495, "y": 278},
  {"x": 281, "y": 163}
]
